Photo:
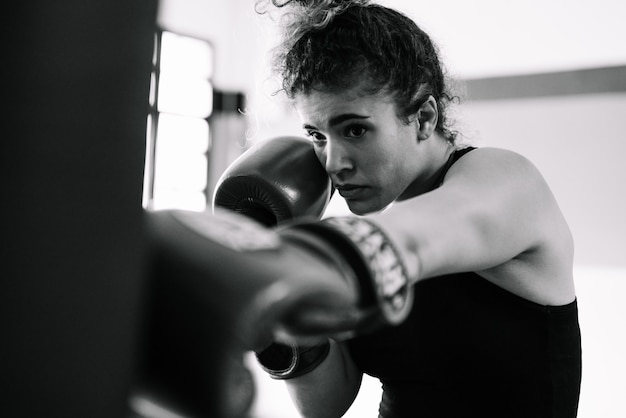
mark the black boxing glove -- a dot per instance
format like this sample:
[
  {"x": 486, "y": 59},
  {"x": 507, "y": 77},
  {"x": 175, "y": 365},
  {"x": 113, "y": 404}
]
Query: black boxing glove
[
  {"x": 367, "y": 258},
  {"x": 274, "y": 181},
  {"x": 220, "y": 285},
  {"x": 337, "y": 277},
  {"x": 363, "y": 252},
  {"x": 257, "y": 281}
]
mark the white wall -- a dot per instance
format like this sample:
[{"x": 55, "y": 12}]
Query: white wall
[
  {"x": 231, "y": 26},
  {"x": 478, "y": 38},
  {"x": 578, "y": 143},
  {"x": 492, "y": 37}
]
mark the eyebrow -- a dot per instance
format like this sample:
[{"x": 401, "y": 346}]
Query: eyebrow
[{"x": 336, "y": 120}]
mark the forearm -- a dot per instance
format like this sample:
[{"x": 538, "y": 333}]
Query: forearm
[{"x": 330, "y": 389}]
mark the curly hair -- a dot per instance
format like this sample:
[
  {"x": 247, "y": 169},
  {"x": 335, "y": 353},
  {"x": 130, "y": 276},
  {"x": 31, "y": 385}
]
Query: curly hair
[{"x": 332, "y": 45}]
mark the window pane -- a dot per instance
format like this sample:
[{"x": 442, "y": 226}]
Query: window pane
[
  {"x": 176, "y": 199},
  {"x": 181, "y": 98},
  {"x": 185, "y": 96},
  {"x": 181, "y": 134},
  {"x": 186, "y": 56},
  {"x": 148, "y": 174},
  {"x": 152, "y": 98},
  {"x": 185, "y": 172}
]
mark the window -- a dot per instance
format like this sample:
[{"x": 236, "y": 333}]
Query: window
[{"x": 178, "y": 139}]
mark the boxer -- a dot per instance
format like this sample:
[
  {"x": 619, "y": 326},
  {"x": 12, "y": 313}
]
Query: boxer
[
  {"x": 279, "y": 180},
  {"x": 226, "y": 277}
]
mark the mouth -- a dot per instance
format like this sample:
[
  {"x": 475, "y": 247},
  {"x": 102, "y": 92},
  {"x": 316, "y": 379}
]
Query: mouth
[{"x": 350, "y": 191}]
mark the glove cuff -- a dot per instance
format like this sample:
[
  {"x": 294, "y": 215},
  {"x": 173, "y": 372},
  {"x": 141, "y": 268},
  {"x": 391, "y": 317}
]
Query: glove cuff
[
  {"x": 287, "y": 361},
  {"x": 377, "y": 264}
]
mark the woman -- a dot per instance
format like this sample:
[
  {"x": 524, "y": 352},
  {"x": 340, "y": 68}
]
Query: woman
[{"x": 494, "y": 328}]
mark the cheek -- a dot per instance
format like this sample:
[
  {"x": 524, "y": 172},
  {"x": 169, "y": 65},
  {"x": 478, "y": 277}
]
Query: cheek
[
  {"x": 321, "y": 156},
  {"x": 385, "y": 159},
  {"x": 393, "y": 166}
]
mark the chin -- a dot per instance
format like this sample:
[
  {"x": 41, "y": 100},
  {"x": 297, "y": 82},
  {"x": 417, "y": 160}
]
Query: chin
[{"x": 362, "y": 208}]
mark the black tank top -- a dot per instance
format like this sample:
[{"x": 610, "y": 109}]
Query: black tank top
[{"x": 472, "y": 349}]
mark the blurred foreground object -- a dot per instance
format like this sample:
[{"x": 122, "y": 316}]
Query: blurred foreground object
[{"x": 76, "y": 92}]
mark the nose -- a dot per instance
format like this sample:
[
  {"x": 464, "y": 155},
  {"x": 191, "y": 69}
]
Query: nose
[{"x": 336, "y": 158}]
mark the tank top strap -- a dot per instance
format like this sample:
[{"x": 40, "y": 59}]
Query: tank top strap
[{"x": 454, "y": 157}]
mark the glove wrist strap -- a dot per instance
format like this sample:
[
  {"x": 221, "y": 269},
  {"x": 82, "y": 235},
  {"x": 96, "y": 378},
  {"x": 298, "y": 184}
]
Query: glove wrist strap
[{"x": 388, "y": 278}]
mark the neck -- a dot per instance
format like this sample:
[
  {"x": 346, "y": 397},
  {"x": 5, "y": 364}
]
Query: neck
[{"x": 436, "y": 163}]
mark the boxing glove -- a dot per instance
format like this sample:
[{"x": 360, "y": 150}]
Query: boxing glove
[
  {"x": 220, "y": 285},
  {"x": 364, "y": 255},
  {"x": 251, "y": 276},
  {"x": 274, "y": 181},
  {"x": 338, "y": 276},
  {"x": 363, "y": 252}
]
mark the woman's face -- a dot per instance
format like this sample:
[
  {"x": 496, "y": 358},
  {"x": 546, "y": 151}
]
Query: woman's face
[{"x": 370, "y": 155}]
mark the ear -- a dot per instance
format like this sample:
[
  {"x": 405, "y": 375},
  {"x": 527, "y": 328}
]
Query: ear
[{"x": 427, "y": 116}]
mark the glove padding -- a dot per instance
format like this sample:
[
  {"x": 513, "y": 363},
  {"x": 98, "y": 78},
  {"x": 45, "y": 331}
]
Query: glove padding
[
  {"x": 364, "y": 253},
  {"x": 259, "y": 282},
  {"x": 274, "y": 181}
]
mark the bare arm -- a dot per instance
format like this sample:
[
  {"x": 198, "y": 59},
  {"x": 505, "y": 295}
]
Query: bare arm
[
  {"x": 494, "y": 213},
  {"x": 330, "y": 389}
]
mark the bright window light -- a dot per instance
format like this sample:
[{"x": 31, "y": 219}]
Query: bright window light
[
  {"x": 176, "y": 199},
  {"x": 181, "y": 100},
  {"x": 184, "y": 55},
  {"x": 180, "y": 172},
  {"x": 185, "y": 96},
  {"x": 182, "y": 135}
]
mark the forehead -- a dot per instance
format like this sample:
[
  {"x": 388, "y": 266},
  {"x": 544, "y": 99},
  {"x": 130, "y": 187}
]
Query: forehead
[{"x": 320, "y": 106}]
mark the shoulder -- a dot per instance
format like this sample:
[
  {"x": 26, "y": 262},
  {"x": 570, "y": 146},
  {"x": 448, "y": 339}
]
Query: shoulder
[
  {"x": 517, "y": 201},
  {"x": 494, "y": 166},
  {"x": 500, "y": 184},
  {"x": 494, "y": 157},
  {"x": 495, "y": 180}
]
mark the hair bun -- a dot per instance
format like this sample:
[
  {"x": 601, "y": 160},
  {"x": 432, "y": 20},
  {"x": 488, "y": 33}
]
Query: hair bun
[
  {"x": 319, "y": 4},
  {"x": 310, "y": 3}
]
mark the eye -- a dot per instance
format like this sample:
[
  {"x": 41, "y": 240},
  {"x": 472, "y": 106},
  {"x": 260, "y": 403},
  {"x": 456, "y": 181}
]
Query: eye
[
  {"x": 316, "y": 136},
  {"x": 355, "y": 131}
]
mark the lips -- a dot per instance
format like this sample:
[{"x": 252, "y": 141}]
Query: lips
[{"x": 349, "y": 191}]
